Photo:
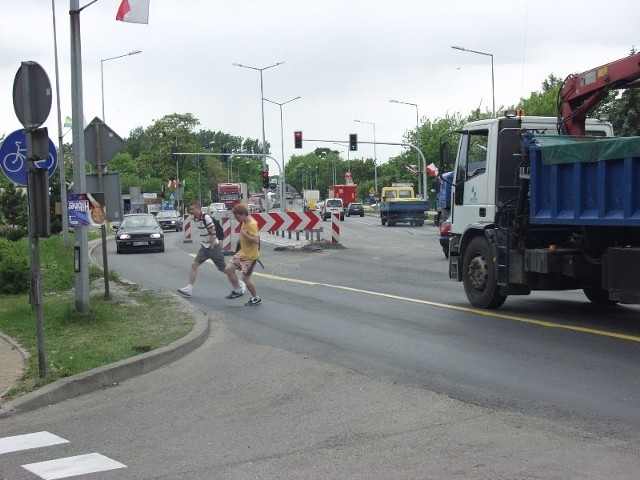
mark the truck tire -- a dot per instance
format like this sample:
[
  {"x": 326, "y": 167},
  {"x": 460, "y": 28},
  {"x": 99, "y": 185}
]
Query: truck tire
[
  {"x": 383, "y": 221},
  {"x": 479, "y": 275},
  {"x": 598, "y": 296}
]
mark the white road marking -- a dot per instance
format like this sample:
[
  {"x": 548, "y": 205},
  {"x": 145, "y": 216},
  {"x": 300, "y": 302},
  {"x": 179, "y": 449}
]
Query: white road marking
[
  {"x": 71, "y": 466},
  {"x": 29, "y": 441}
]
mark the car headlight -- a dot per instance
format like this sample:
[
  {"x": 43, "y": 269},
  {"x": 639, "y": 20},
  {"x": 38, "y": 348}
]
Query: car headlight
[
  {"x": 173, "y": 221},
  {"x": 124, "y": 236},
  {"x": 155, "y": 235}
]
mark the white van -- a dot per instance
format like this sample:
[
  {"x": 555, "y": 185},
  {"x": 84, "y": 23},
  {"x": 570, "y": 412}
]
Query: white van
[{"x": 332, "y": 206}]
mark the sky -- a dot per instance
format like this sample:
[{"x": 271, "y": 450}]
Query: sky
[{"x": 346, "y": 59}]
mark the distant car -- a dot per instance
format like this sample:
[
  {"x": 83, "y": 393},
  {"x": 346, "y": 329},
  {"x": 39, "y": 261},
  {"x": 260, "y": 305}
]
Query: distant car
[
  {"x": 355, "y": 208},
  {"x": 332, "y": 206},
  {"x": 319, "y": 205},
  {"x": 445, "y": 235},
  {"x": 217, "y": 207},
  {"x": 139, "y": 231},
  {"x": 169, "y": 220}
]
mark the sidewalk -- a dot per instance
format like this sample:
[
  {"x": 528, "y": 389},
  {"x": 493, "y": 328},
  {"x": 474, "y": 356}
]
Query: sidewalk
[{"x": 12, "y": 363}]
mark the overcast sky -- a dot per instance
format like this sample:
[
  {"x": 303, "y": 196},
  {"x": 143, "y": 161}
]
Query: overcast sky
[{"x": 345, "y": 58}]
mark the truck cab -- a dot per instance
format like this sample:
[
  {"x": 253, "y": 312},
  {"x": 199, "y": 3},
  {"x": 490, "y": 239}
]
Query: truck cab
[{"x": 486, "y": 174}]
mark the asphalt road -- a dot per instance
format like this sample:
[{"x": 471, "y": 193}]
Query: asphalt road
[{"x": 366, "y": 362}]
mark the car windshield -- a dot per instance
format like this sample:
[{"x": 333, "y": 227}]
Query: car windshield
[
  {"x": 165, "y": 215},
  {"x": 139, "y": 221},
  {"x": 334, "y": 203}
]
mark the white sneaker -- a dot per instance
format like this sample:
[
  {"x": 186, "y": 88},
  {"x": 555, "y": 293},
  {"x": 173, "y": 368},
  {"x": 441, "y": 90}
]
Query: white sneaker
[
  {"x": 243, "y": 287},
  {"x": 186, "y": 291}
]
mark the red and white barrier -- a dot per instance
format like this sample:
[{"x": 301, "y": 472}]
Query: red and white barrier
[
  {"x": 335, "y": 228},
  {"x": 187, "y": 227}
]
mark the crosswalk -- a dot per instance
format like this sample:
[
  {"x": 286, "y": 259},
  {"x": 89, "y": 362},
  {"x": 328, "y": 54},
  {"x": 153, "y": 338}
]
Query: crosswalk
[{"x": 60, "y": 467}]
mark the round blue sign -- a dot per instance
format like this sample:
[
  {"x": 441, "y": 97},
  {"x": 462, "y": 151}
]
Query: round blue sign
[{"x": 13, "y": 158}]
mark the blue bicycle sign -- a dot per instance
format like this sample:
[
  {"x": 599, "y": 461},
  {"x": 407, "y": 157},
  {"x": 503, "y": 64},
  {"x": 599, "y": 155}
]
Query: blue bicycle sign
[{"x": 13, "y": 158}]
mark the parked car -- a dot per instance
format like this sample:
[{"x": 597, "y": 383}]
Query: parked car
[
  {"x": 139, "y": 231},
  {"x": 170, "y": 220},
  {"x": 445, "y": 235},
  {"x": 355, "y": 208},
  {"x": 332, "y": 206}
]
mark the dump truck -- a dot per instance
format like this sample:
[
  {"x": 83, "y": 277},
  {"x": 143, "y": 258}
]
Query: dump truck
[{"x": 400, "y": 205}]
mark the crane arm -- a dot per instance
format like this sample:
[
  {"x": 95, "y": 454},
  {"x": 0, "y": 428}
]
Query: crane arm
[{"x": 581, "y": 93}]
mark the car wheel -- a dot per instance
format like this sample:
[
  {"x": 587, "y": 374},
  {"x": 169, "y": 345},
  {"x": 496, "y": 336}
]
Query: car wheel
[
  {"x": 362, "y": 214},
  {"x": 118, "y": 249}
]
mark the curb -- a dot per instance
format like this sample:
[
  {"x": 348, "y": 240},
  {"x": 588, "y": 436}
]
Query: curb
[
  {"x": 108, "y": 375},
  {"x": 111, "y": 374}
]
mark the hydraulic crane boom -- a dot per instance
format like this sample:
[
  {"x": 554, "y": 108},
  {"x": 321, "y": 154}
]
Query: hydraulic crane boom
[{"x": 581, "y": 93}]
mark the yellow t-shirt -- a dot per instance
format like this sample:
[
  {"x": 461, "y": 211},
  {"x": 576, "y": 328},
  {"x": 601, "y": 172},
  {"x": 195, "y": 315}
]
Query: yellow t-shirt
[{"x": 249, "y": 250}]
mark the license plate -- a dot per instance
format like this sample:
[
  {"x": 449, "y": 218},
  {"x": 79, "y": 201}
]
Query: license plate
[{"x": 137, "y": 244}]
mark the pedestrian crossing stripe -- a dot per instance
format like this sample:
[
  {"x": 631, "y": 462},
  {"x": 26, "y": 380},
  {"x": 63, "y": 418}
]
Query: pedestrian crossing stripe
[
  {"x": 72, "y": 466},
  {"x": 29, "y": 441},
  {"x": 61, "y": 467}
]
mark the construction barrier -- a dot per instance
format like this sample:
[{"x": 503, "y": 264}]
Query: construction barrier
[
  {"x": 188, "y": 226},
  {"x": 335, "y": 228}
]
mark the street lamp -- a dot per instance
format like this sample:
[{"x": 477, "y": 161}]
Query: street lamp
[
  {"x": 493, "y": 89},
  {"x": 133, "y": 52},
  {"x": 424, "y": 166},
  {"x": 375, "y": 157},
  {"x": 264, "y": 146},
  {"x": 282, "y": 180}
]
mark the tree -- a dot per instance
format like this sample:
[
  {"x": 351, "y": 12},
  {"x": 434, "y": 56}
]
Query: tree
[
  {"x": 545, "y": 102},
  {"x": 13, "y": 205}
]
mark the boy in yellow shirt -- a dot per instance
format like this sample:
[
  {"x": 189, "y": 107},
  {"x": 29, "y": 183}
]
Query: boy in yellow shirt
[{"x": 246, "y": 258}]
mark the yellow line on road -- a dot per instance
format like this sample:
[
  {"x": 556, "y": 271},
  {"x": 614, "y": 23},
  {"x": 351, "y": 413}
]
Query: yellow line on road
[{"x": 486, "y": 313}]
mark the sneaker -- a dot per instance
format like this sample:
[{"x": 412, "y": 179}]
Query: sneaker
[
  {"x": 234, "y": 294},
  {"x": 186, "y": 291},
  {"x": 254, "y": 301},
  {"x": 243, "y": 286}
]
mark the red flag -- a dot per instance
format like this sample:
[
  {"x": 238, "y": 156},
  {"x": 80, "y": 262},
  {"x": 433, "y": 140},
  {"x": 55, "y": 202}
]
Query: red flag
[
  {"x": 134, "y": 11},
  {"x": 432, "y": 170}
]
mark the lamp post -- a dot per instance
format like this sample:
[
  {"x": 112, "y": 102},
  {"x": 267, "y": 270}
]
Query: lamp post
[
  {"x": 424, "y": 166},
  {"x": 264, "y": 146},
  {"x": 133, "y": 52},
  {"x": 282, "y": 180},
  {"x": 493, "y": 89},
  {"x": 375, "y": 157}
]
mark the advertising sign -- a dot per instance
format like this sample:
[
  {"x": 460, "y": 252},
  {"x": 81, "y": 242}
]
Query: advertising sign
[{"x": 86, "y": 209}]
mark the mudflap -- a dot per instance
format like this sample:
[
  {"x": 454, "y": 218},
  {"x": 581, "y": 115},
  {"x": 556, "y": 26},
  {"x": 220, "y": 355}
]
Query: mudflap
[{"x": 621, "y": 274}]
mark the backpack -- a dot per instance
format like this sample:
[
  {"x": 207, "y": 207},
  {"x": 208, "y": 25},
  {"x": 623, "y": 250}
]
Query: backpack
[{"x": 218, "y": 226}]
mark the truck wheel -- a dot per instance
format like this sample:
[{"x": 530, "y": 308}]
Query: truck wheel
[
  {"x": 479, "y": 275},
  {"x": 598, "y": 296},
  {"x": 383, "y": 220}
]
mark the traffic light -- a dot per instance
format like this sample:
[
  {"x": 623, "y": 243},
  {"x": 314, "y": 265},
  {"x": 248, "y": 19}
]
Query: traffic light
[
  {"x": 297, "y": 139},
  {"x": 353, "y": 142},
  {"x": 265, "y": 179}
]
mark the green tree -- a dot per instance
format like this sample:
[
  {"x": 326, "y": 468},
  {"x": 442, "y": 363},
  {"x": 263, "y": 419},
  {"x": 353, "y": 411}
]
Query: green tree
[
  {"x": 13, "y": 205},
  {"x": 543, "y": 103}
]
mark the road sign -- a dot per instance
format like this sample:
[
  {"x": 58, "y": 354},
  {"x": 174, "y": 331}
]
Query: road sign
[
  {"x": 109, "y": 141},
  {"x": 13, "y": 158},
  {"x": 289, "y": 221},
  {"x": 31, "y": 95}
]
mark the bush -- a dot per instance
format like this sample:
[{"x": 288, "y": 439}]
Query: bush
[
  {"x": 12, "y": 233},
  {"x": 14, "y": 268}
]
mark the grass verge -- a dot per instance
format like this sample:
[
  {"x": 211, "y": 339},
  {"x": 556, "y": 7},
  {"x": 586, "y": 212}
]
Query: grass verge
[{"x": 124, "y": 325}]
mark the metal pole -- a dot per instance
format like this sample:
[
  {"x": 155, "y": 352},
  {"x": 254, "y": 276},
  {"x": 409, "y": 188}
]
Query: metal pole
[
  {"x": 81, "y": 246},
  {"x": 264, "y": 141},
  {"x": 493, "y": 89},
  {"x": 133, "y": 52},
  {"x": 63, "y": 180},
  {"x": 282, "y": 178}
]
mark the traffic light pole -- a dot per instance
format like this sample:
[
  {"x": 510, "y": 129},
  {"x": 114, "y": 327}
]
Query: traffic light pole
[
  {"x": 410, "y": 145},
  {"x": 282, "y": 187}
]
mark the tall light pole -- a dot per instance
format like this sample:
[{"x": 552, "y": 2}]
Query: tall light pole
[
  {"x": 375, "y": 157},
  {"x": 133, "y": 52},
  {"x": 264, "y": 141},
  {"x": 424, "y": 166},
  {"x": 282, "y": 180},
  {"x": 493, "y": 88}
]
